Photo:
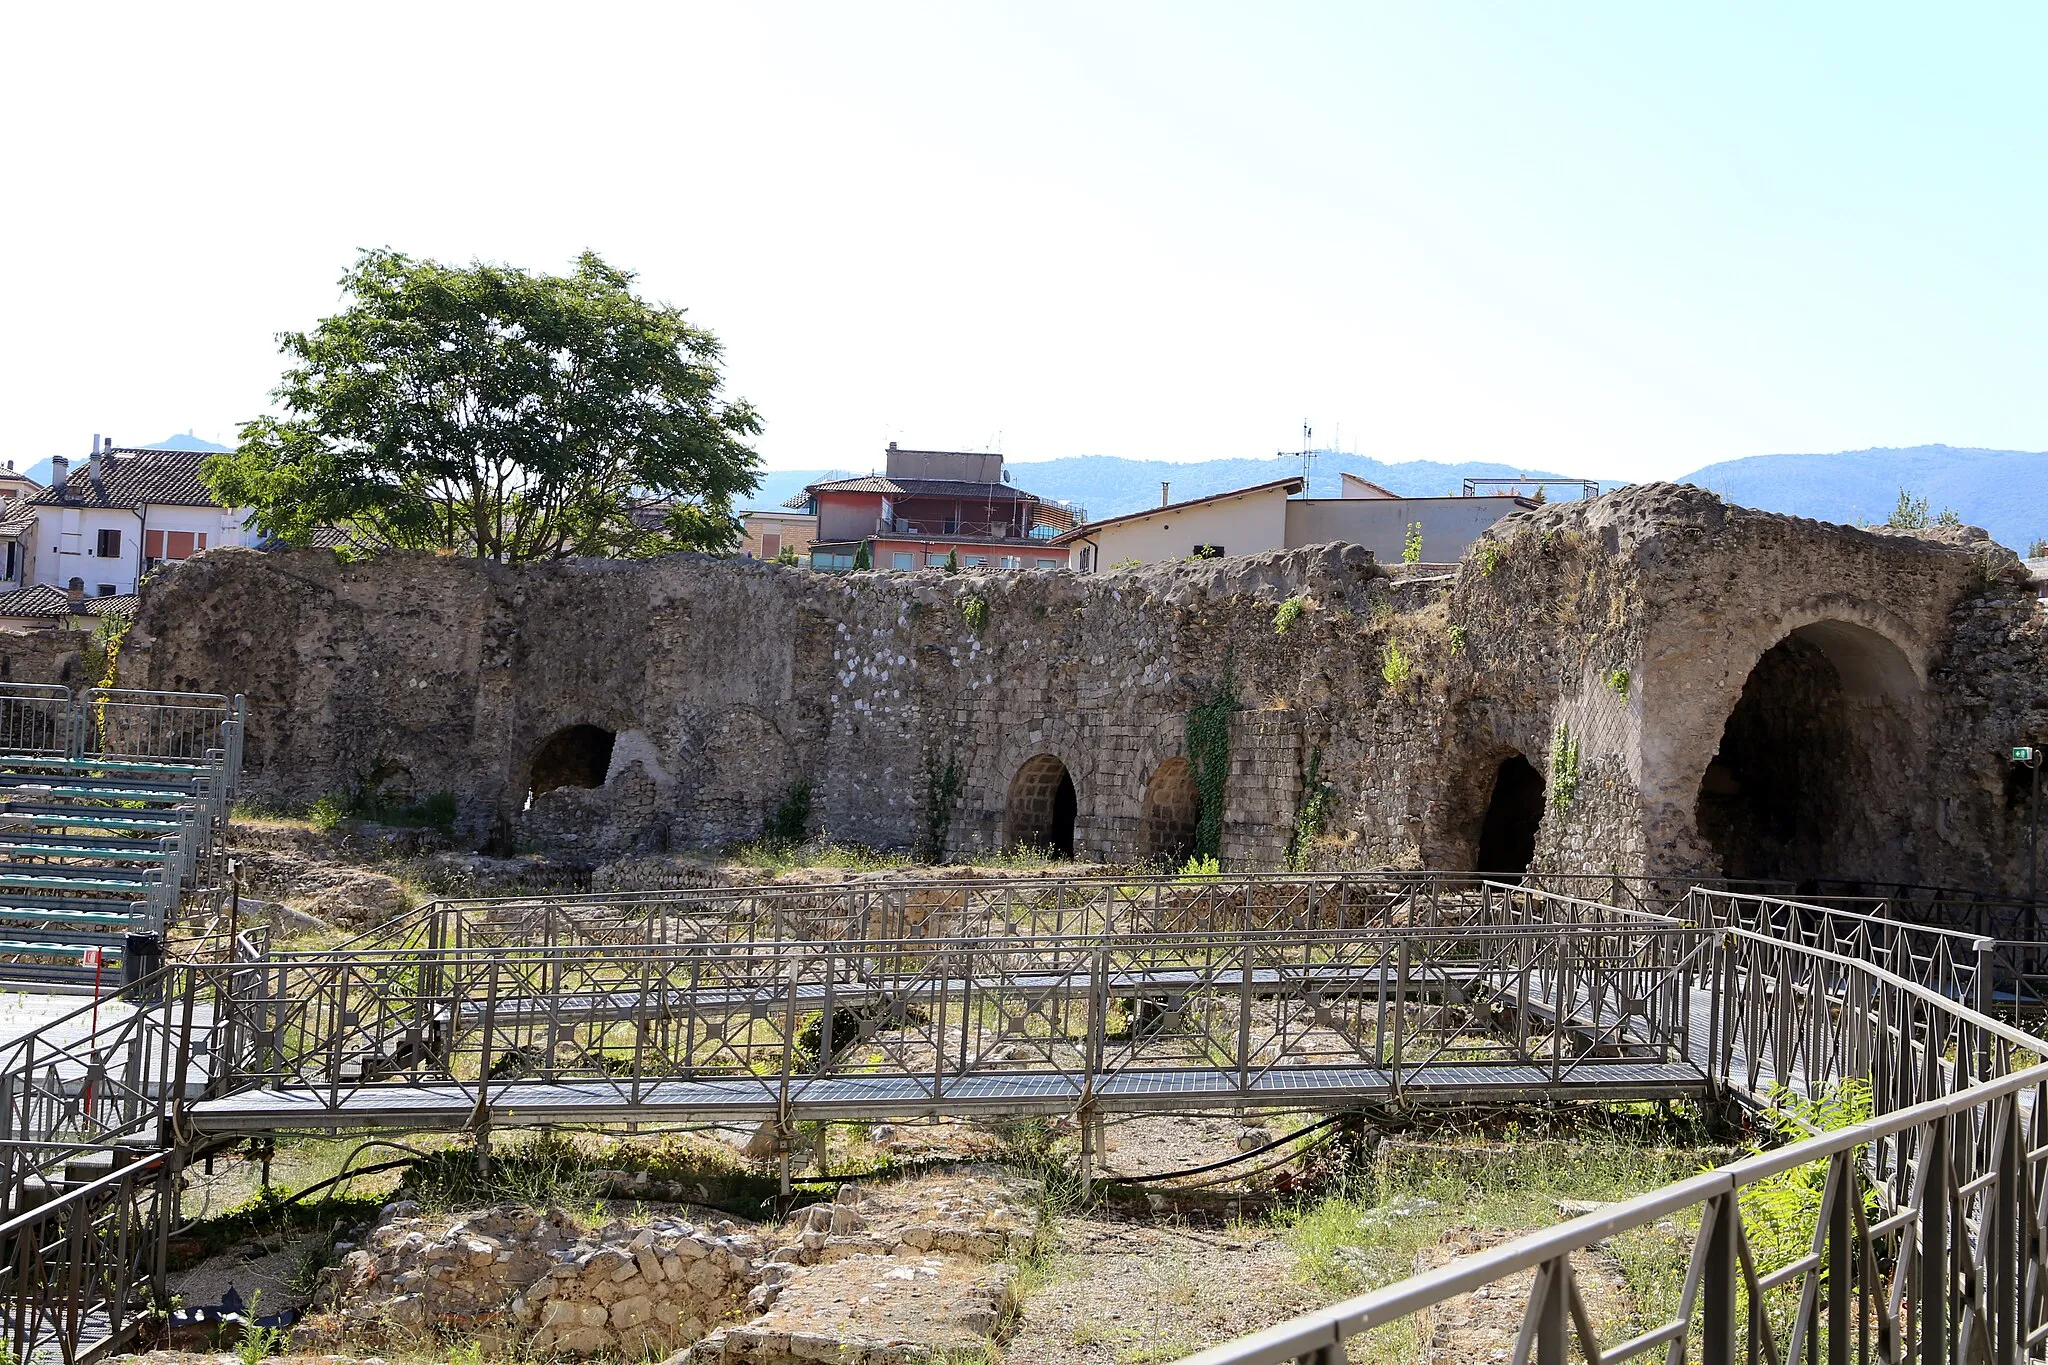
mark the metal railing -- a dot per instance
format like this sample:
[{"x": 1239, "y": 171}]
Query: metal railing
[
  {"x": 958, "y": 907},
  {"x": 80, "y": 1272},
  {"x": 1042, "y": 1022},
  {"x": 1930, "y": 1240}
]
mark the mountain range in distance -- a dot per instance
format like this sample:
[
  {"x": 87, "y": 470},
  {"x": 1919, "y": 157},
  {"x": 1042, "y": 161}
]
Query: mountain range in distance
[
  {"x": 2003, "y": 491},
  {"x": 40, "y": 470}
]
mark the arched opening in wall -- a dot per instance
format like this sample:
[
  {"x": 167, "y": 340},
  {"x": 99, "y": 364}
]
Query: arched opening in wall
[
  {"x": 574, "y": 756},
  {"x": 1809, "y": 760},
  {"x": 1507, "y": 836},
  {"x": 1039, "y": 812},
  {"x": 1173, "y": 809}
]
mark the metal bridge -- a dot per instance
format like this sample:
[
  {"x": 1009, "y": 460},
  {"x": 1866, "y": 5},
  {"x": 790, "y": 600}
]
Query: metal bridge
[{"x": 1095, "y": 996}]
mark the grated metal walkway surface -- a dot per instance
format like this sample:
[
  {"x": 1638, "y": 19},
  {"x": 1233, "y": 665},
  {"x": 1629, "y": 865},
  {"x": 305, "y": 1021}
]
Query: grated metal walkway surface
[{"x": 887, "y": 1096}]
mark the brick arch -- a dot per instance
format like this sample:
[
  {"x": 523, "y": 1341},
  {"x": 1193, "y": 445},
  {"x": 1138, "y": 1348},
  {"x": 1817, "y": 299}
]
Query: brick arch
[
  {"x": 1041, "y": 806},
  {"x": 573, "y": 756},
  {"x": 1771, "y": 757},
  {"x": 1172, "y": 810}
]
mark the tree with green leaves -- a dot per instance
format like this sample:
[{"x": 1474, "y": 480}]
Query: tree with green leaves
[{"x": 497, "y": 413}]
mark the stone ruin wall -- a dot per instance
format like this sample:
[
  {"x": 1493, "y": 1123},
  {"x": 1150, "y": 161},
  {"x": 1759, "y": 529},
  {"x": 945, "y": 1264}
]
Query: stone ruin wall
[{"x": 1633, "y": 622}]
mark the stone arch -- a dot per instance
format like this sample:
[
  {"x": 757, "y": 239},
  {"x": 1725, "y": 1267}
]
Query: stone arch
[
  {"x": 1172, "y": 810},
  {"x": 1514, "y": 812},
  {"x": 1041, "y": 806},
  {"x": 1821, "y": 728},
  {"x": 573, "y": 756}
]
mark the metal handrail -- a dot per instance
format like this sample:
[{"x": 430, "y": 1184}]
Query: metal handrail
[{"x": 1931, "y": 1208}]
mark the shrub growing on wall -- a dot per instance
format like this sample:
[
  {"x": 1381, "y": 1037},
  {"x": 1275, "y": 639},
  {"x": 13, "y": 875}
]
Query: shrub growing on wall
[
  {"x": 790, "y": 821},
  {"x": 1208, "y": 748}
]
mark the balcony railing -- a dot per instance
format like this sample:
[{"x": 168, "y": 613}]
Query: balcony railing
[{"x": 940, "y": 527}]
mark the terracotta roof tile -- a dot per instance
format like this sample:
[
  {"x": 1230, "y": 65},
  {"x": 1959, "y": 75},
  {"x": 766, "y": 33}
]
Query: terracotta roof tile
[
  {"x": 44, "y": 602},
  {"x": 134, "y": 477}
]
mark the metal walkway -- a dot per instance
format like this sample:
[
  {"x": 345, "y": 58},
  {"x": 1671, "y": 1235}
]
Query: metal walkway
[{"x": 1124, "y": 997}]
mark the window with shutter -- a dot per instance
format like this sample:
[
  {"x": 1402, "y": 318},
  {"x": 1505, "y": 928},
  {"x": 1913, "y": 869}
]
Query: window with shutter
[{"x": 110, "y": 543}]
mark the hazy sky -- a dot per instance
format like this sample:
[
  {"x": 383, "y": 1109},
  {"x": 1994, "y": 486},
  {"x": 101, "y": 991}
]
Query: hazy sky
[{"x": 1618, "y": 240}]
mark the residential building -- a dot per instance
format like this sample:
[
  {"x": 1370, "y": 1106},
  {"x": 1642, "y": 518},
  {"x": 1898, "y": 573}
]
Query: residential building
[
  {"x": 1269, "y": 516},
  {"x": 102, "y": 525},
  {"x": 15, "y": 485},
  {"x": 46, "y": 608},
  {"x": 1440, "y": 530},
  {"x": 932, "y": 507},
  {"x": 766, "y": 533},
  {"x": 17, "y": 526},
  {"x": 1242, "y": 521}
]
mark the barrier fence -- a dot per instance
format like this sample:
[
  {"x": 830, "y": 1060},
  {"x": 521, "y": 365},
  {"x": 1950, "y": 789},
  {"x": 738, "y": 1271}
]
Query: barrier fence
[{"x": 1128, "y": 994}]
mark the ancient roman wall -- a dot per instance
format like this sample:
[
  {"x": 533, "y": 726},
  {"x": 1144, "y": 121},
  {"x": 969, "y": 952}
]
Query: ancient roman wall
[{"x": 1606, "y": 645}]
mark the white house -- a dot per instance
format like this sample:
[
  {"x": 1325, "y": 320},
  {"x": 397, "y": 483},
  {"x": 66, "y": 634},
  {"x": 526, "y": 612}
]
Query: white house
[
  {"x": 102, "y": 525},
  {"x": 1269, "y": 516}
]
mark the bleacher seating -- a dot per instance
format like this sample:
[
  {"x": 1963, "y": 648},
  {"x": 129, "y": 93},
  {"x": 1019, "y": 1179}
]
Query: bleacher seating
[{"x": 113, "y": 812}]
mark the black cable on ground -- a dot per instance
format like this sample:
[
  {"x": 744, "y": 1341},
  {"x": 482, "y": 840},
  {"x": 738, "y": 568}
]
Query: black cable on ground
[
  {"x": 346, "y": 1175},
  {"x": 1258, "y": 1170},
  {"x": 1227, "y": 1161}
]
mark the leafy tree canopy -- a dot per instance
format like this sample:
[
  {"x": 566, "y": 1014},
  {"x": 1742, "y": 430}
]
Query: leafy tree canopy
[{"x": 498, "y": 413}]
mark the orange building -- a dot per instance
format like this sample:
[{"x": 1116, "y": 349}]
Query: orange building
[{"x": 932, "y": 507}]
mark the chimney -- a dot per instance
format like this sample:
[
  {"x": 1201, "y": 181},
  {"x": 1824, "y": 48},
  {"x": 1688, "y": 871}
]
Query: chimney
[
  {"x": 892, "y": 445},
  {"x": 93, "y": 467},
  {"x": 60, "y": 474},
  {"x": 1165, "y": 492},
  {"x": 76, "y": 591}
]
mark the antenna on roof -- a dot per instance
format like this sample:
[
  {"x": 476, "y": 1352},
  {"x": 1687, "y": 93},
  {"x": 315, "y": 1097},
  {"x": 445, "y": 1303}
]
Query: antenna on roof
[{"x": 1305, "y": 454}]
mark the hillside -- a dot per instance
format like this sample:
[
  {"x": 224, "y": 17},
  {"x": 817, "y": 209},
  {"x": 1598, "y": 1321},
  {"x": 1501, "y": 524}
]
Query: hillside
[{"x": 2003, "y": 491}]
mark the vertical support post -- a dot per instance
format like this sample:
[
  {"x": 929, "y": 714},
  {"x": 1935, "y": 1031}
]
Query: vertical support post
[
  {"x": 2003, "y": 1269},
  {"x": 1983, "y": 993},
  {"x": 1717, "y": 1284},
  {"x": 1937, "y": 1277},
  {"x": 1087, "y": 1117},
  {"x": 1400, "y": 1018},
  {"x": 1244, "y": 1017},
  {"x": 1549, "y": 1301},
  {"x": 1841, "y": 1258}
]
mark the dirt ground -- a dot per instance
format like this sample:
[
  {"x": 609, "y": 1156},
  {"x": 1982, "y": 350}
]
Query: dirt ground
[{"x": 1120, "y": 1293}]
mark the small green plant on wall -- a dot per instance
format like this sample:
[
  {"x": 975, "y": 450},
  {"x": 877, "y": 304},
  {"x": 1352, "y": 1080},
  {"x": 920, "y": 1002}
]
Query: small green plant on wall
[
  {"x": 1289, "y": 612},
  {"x": 1564, "y": 767},
  {"x": 1308, "y": 820},
  {"x": 974, "y": 611},
  {"x": 1411, "y": 545},
  {"x": 1395, "y": 666},
  {"x": 1617, "y": 683},
  {"x": 1489, "y": 557},
  {"x": 942, "y": 790}
]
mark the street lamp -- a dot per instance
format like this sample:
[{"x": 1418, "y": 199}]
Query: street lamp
[{"x": 2027, "y": 756}]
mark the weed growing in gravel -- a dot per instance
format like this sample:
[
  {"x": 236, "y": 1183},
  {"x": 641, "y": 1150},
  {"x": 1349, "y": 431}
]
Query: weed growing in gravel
[
  {"x": 1419, "y": 1194},
  {"x": 545, "y": 1171}
]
